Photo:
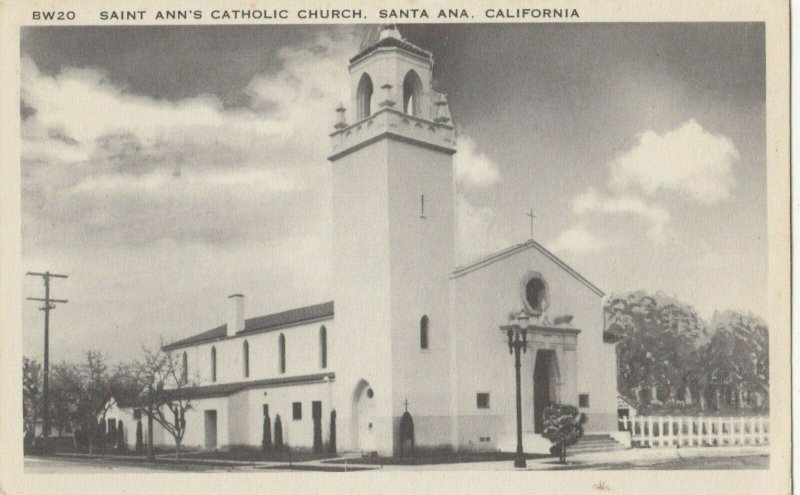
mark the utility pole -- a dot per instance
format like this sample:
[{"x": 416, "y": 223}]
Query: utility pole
[{"x": 48, "y": 305}]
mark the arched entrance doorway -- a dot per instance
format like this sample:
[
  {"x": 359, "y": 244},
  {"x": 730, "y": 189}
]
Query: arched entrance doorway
[
  {"x": 545, "y": 385},
  {"x": 364, "y": 417}
]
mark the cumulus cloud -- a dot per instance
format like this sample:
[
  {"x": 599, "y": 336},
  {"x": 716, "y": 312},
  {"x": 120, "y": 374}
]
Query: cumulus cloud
[
  {"x": 475, "y": 173},
  {"x": 590, "y": 202},
  {"x": 687, "y": 163},
  {"x": 472, "y": 168},
  {"x": 687, "y": 160},
  {"x": 102, "y": 164},
  {"x": 577, "y": 239}
]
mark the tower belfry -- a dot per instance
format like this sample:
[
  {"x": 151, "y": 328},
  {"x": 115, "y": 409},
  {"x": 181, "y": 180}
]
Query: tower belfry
[{"x": 392, "y": 96}]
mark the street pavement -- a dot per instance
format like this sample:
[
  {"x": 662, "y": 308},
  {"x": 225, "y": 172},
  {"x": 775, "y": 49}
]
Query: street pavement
[{"x": 747, "y": 457}]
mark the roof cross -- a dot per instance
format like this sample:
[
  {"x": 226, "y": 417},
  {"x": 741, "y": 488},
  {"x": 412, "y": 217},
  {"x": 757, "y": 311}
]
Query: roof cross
[{"x": 532, "y": 216}]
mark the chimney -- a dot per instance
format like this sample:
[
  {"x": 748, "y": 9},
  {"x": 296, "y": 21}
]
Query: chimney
[{"x": 235, "y": 322}]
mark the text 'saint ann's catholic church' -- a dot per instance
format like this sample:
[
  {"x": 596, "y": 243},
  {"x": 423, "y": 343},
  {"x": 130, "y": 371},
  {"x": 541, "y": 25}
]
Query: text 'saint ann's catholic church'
[{"x": 409, "y": 351}]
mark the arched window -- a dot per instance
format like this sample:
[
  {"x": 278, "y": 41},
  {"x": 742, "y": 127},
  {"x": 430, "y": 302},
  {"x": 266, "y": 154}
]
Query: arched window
[
  {"x": 323, "y": 347},
  {"x": 412, "y": 87},
  {"x": 364, "y": 97},
  {"x": 282, "y": 353},
  {"x": 423, "y": 332},
  {"x": 213, "y": 364},
  {"x": 246, "y": 358},
  {"x": 184, "y": 368}
]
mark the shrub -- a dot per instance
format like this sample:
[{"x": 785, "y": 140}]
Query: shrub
[{"x": 563, "y": 425}]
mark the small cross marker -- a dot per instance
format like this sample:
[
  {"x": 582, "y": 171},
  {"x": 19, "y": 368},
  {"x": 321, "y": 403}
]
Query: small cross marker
[{"x": 532, "y": 216}]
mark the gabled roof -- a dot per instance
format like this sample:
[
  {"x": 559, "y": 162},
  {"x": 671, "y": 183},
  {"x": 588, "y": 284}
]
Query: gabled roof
[
  {"x": 260, "y": 324},
  {"x": 462, "y": 270}
]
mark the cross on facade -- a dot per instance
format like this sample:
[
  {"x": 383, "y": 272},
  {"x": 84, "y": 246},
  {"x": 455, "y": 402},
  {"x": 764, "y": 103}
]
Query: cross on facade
[
  {"x": 530, "y": 214},
  {"x": 405, "y": 403}
]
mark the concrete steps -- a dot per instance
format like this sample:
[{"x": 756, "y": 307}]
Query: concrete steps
[{"x": 595, "y": 443}]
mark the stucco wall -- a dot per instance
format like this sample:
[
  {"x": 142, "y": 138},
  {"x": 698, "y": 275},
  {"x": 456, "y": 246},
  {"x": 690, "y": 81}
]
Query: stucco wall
[
  {"x": 482, "y": 301},
  {"x": 302, "y": 354},
  {"x": 421, "y": 257},
  {"x": 361, "y": 285}
]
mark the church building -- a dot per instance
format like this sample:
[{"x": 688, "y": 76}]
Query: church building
[{"x": 408, "y": 351}]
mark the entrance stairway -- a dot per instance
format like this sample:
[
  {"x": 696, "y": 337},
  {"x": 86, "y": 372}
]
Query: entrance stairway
[{"x": 595, "y": 442}]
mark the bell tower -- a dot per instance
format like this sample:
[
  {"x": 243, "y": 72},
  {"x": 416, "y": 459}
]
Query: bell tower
[{"x": 393, "y": 235}]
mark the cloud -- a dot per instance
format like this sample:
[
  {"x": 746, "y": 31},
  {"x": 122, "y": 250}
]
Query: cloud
[
  {"x": 590, "y": 202},
  {"x": 576, "y": 240},
  {"x": 102, "y": 165},
  {"x": 475, "y": 173},
  {"x": 473, "y": 169},
  {"x": 687, "y": 160},
  {"x": 476, "y": 231}
]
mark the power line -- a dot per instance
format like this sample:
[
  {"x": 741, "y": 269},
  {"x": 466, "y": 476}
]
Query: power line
[{"x": 48, "y": 305}]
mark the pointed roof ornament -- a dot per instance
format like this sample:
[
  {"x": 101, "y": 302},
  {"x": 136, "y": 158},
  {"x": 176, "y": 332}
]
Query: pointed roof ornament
[{"x": 390, "y": 31}]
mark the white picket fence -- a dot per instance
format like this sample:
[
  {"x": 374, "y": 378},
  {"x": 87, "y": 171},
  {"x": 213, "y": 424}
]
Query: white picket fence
[{"x": 668, "y": 431}]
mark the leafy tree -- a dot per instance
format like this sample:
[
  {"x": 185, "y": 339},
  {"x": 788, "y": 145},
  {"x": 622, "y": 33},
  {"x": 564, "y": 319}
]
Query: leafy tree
[
  {"x": 738, "y": 354},
  {"x": 658, "y": 346},
  {"x": 266, "y": 434},
  {"x": 31, "y": 395},
  {"x": 332, "y": 445},
  {"x": 278, "y": 433},
  {"x": 139, "y": 437},
  {"x": 563, "y": 425},
  {"x": 666, "y": 352},
  {"x": 121, "y": 436}
]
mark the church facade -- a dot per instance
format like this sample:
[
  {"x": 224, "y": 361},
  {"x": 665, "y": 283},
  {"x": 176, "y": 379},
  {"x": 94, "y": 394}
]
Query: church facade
[{"x": 409, "y": 350}]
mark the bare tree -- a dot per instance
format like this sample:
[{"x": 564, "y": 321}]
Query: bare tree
[{"x": 165, "y": 397}]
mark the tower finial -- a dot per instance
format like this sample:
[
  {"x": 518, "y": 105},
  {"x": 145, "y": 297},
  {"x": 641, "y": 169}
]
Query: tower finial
[{"x": 390, "y": 31}]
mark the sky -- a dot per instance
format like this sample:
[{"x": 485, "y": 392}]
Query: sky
[{"x": 164, "y": 168}]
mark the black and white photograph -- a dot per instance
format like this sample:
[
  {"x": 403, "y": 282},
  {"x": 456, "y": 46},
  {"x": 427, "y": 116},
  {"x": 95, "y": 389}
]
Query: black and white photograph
[{"x": 396, "y": 245}]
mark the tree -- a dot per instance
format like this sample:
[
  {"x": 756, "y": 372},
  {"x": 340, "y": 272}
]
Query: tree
[
  {"x": 164, "y": 398},
  {"x": 86, "y": 390},
  {"x": 278, "y": 433},
  {"x": 266, "y": 434},
  {"x": 31, "y": 397},
  {"x": 139, "y": 437},
  {"x": 332, "y": 446},
  {"x": 563, "y": 425},
  {"x": 738, "y": 355},
  {"x": 659, "y": 337},
  {"x": 121, "y": 436},
  {"x": 61, "y": 406}
]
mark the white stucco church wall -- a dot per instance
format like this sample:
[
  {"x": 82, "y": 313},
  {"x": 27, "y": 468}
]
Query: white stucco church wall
[{"x": 406, "y": 332}]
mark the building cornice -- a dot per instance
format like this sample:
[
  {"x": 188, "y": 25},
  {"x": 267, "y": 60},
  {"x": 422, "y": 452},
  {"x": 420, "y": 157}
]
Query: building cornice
[{"x": 392, "y": 124}]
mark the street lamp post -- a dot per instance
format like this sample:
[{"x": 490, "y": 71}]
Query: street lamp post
[{"x": 517, "y": 333}]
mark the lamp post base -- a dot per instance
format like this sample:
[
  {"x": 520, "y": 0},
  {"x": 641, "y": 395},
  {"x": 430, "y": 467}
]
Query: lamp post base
[{"x": 519, "y": 462}]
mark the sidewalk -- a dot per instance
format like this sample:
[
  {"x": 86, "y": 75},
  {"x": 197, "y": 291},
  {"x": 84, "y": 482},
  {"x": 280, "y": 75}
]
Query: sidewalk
[
  {"x": 620, "y": 459},
  {"x": 667, "y": 458}
]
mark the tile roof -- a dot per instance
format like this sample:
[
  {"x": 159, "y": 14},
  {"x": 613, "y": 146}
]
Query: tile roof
[
  {"x": 259, "y": 324},
  {"x": 225, "y": 389}
]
